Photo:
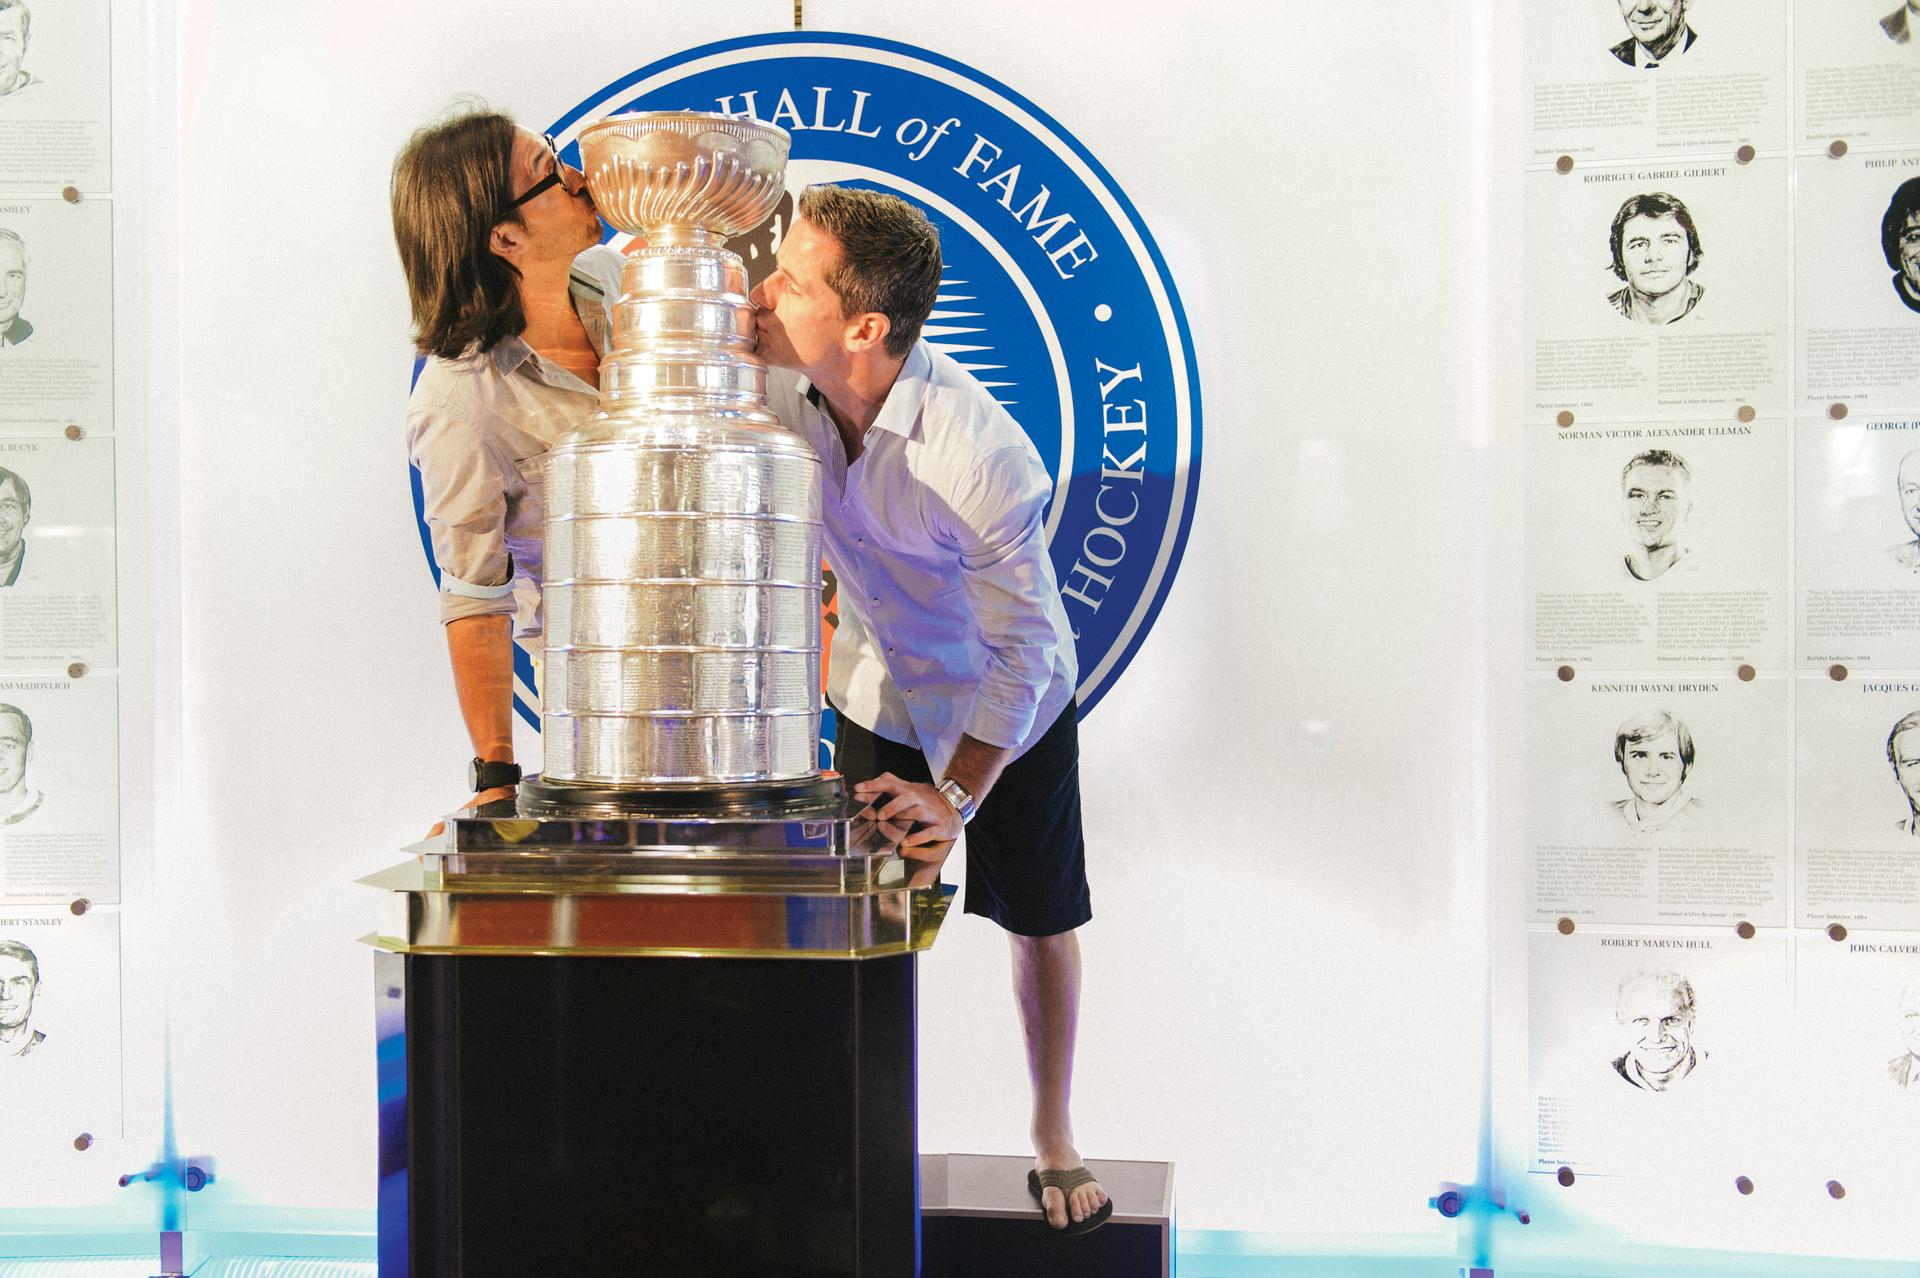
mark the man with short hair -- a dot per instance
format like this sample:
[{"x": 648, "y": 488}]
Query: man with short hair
[
  {"x": 1906, "y": 486},
  {"x": 1904, "y": 1069},
  {"x": 14, "y": 328},
  {"x": 1655, "y": 754},
  {"x": 1655, "y": 249},
  {"x": 16, "y": 24},
  {"x": 1655, "y": 501},
  {"x": 1657, "y": 1009},
  {"x": 16, "y": 509},
  {"x": 512, "y": 295},
  {"x": 1657, "y": 32},
  {"x": 1900, "y": 242},
  {"x": 1903, "y": 752},
  {"x": 953, "y": 667},
  {"x": 19, "y": 983}
]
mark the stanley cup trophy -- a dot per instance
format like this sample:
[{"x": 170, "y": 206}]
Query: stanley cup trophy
[
  {"x": 683, "y": 527},
  {"x": 659, "y": 1018}
]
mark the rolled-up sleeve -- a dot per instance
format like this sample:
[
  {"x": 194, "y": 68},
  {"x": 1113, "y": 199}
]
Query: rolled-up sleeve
[
  {"x": 464, "y": 502},
  {"x": 997, "y": 529}
]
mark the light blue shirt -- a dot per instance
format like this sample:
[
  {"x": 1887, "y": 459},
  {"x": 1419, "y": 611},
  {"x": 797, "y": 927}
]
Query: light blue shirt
[{"x": 950, "y": 617}]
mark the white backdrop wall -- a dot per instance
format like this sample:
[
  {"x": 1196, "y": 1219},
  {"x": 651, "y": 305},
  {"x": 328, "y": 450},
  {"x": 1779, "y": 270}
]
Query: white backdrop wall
[{"x": 1285, "y": 793}]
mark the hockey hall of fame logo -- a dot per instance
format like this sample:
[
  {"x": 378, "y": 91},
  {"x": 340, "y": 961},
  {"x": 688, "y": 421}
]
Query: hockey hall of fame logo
[{"x": 1053, "y": 294}]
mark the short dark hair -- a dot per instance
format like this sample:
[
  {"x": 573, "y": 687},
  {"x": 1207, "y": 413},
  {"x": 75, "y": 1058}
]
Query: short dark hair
[
  {"x": 1646, "y": 727},
  {"x": 21, "y": 954},
  {"x": 889, "y": 257},
  {"x": 1655, "y": 204},
  {"x": 1906, "y": 202},
  {"x": 25, "y": 723},
  {"x": 449, "y": 183},
  {"x": 19, "y": 486},
  {"x": 1655, "y": 457}
]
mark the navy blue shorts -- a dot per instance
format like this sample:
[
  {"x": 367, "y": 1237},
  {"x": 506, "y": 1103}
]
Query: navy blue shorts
[{"x": 1026, "y": 856}]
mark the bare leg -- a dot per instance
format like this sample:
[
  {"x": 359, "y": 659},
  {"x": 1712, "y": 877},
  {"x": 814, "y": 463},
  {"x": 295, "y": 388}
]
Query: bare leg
[{"x": 1046, "y": 984}]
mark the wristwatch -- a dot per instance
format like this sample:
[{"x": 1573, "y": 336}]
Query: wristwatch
[
  {"x": 487, "y": 774},
  {"x": 956, "y": 795}
]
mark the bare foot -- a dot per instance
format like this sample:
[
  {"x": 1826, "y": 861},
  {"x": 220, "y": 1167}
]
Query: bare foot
[{"x": 1079, "y": 1204}]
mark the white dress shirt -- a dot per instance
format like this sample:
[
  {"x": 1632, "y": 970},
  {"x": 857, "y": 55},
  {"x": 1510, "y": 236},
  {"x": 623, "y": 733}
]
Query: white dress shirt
[{"x": 950, "y": 619}]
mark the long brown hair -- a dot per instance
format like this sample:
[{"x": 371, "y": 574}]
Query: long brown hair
[{"x": 448, "y": 181}]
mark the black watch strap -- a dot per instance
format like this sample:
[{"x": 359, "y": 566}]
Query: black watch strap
[{"x": 488, "y": 774}]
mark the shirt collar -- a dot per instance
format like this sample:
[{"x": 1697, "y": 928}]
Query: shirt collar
[
  {"x": 509, "y": 353},
  {"x": 900, "y": 413},
  {"x": 589, "y": 303}
]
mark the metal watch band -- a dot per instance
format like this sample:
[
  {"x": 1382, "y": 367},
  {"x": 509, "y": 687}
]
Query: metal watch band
[
  {"x": 956, "y": 795},
  {"x": 488, "y": 774}
]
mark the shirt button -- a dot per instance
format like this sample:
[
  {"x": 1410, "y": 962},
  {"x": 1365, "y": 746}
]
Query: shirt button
[{"x": 876, "y": 598}]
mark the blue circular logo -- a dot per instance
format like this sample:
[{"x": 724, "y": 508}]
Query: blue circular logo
[{"x": 1054, "y": 294}]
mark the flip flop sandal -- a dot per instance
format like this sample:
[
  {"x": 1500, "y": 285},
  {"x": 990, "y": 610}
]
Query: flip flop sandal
[{"x": 1066, "y": 1182}]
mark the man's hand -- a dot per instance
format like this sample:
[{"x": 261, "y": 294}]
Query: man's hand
[
  {"x": 485, "y": 796},
  {"x": 900, "y": 802}
]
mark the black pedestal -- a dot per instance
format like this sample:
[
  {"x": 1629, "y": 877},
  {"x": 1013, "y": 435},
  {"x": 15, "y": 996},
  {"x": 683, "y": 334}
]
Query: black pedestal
[{"x": 588, "y": 1116}]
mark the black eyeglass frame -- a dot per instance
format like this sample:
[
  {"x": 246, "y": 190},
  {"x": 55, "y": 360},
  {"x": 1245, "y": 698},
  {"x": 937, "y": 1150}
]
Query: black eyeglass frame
[{"x": 552, "y": 179}]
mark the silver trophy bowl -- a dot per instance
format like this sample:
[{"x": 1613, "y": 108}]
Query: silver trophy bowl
[
  {"x": 682, "y": 170},
  {"x": 683, "y": 521}
]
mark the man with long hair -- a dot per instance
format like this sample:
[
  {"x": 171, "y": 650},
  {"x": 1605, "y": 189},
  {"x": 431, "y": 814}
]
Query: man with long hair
[
  {"x": 1656, "y": 248},
  {"x": 511, "y": 293},
  {"x": 1900, "y": 241}
]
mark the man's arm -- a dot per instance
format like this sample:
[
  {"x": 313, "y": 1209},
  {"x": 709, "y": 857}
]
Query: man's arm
[
  {"x": 975, "y": 765},
  {"x": 1001, "y": 551},
  {"x": 481, "y": 650},
  {"x": 464, "y": 502}
]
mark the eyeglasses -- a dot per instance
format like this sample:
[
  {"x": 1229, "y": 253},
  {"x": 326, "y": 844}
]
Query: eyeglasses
[{"x": 553, "y": 178}]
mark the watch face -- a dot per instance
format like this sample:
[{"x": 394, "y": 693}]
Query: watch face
[{"x": 958, "y": 799}]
